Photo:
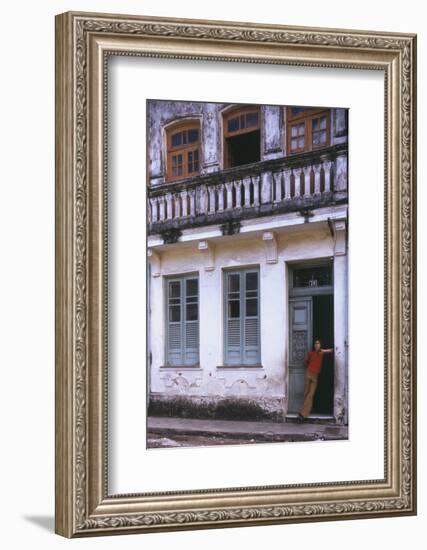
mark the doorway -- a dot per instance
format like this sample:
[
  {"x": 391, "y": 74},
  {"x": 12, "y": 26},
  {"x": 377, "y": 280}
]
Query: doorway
[
  {"x": 323, "y": 329},
  {"x": 311, "y": 316}
]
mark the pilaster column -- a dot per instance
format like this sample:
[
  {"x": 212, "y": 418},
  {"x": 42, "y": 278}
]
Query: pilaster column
[
  {"x": 340, "y": 320},
  {"x": 155, "y": 262}
]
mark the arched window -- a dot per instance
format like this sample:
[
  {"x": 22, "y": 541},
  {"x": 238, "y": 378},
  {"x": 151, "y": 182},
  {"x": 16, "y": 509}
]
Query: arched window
[
  {"x": 183, "y": 151},
  {"x": 241, "y": 136},
  {"x": 307, "y": 129}
]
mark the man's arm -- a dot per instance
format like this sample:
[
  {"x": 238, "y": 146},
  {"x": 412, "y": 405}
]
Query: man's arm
[{"x": 329, "y": 350}]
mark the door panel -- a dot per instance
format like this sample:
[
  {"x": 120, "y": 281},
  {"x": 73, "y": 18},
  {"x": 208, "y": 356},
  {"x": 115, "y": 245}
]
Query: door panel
[{"x": 300, "y": 339}]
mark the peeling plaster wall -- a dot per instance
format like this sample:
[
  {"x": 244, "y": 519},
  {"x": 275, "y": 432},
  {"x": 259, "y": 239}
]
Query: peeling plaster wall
[
  {"x": 161, "y": 113},
  {"x": 266, "y": 385},
  {"x": 209, "y": 382}
]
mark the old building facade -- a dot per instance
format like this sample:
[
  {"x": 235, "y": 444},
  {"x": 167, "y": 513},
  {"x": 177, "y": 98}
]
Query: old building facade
[{"x": 247, "y": 247}]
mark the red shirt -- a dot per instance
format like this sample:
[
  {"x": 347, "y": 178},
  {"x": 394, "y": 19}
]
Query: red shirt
[{"x": 314, "y": 361}]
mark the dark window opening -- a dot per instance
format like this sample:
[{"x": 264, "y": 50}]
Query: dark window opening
[{"x": 243, "y": 149}]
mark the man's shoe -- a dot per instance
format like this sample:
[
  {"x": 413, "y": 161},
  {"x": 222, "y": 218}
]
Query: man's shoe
[{"x": 300, "y": 419}]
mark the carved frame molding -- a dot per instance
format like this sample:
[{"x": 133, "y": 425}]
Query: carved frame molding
[{"x": 83, "y": 43}]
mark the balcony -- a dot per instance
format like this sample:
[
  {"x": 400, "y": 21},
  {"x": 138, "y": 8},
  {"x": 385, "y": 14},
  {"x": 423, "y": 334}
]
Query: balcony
[{"x": 297, "y": 183}]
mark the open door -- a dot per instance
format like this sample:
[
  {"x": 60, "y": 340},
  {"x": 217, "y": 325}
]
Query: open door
[{"x": 300, "y": 338}]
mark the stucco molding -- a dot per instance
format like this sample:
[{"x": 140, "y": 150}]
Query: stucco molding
[
  {"x": 208, "y": 253},
  {"x": 247, "y": 378},
  {"x": 270, "y": 247},
  {"x": 339, "y": 231},
  {"x": 155, "y": 260}
]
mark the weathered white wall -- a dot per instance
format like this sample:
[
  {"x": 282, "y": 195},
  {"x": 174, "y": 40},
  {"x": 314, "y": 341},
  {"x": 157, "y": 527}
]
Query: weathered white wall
[{"x": 161, "y": 114}]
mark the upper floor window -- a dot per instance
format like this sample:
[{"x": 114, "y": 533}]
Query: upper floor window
[
  {"x": 307, "y": 129},
  {"x": 183, "y": 151},
  {"x": 241, "y": 136}
]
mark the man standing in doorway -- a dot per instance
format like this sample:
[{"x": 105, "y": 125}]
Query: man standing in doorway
[{"x": 313, "y": 366}]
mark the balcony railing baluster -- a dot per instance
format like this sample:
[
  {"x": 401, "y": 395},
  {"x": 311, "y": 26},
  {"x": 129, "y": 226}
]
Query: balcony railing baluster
[
  {"x": 297, "y": 181},
  {"x": 327, "y": 165},
  {"x": 316, "y": 170},
  {"x": 277, "y": 176},
  {"x": 249, "y": 190}
]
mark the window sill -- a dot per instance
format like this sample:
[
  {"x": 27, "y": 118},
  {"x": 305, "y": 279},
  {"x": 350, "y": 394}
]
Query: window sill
[
  {"x": 180, "y": 367},
  {"x": 249, "y": 367}
]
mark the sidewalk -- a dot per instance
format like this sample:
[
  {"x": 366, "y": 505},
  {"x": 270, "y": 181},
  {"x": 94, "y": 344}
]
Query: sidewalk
[{"x": 261, "y": 431}]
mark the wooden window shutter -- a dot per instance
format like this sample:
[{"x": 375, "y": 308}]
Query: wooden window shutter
[
  {"x": 242, "y": 318},
  {"x": 182, "y": 321},
  {"x": 251, "y": 318},
  {"x": 174, "y": 322},
  {"x": 233, "y": 333},
  {"x": 191, "y": 321}
]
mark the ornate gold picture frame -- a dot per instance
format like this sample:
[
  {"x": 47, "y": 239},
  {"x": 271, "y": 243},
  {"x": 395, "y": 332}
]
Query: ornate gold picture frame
[{"x": 84, "y": 41}]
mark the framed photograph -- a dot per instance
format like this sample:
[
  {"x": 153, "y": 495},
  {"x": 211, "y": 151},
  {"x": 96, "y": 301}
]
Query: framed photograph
[{"x": 235, "y": 274}]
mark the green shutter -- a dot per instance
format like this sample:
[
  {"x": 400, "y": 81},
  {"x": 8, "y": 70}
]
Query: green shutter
[
  {"x": 251, "y": 355},
  {"x": 242, "y": 318},
  {"x": 174, "y": 321},
  {"x": 182, "y": 330},
  {"x": 191, "y": 321}
]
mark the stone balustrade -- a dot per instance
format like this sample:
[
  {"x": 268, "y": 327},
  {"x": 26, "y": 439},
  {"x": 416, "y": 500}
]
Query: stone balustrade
[{"x": 288, "y": 184}]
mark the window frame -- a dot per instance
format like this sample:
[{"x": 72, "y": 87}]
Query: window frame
[
  {"x": 306, "y": 117},
  {"x": 295, "y": 291},
  {"x": 242, "y": 272},
  {"x": 184, "y": 149},
  {"x": 182, "y": 279}
]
